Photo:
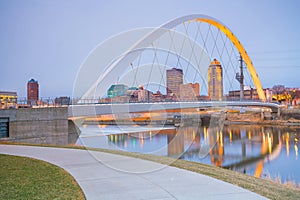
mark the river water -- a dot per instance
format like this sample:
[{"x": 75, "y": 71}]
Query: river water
[{"x": 261, "y": 151}]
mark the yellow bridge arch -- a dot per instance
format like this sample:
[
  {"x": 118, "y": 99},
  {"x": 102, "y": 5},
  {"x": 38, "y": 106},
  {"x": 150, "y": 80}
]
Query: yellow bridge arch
[
  {"x": 216, "y": 23},
  {"x": 157, "y": 32},
  {"x": 241, "y": 50}
]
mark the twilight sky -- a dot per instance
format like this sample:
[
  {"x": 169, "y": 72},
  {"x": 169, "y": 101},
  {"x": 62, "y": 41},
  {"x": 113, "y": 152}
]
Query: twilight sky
[{"x": 49, "y": 40}]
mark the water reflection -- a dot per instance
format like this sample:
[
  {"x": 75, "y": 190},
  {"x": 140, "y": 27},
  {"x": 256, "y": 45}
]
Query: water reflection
[
  {"x": 296, "y": 145},
  {"x": 256, "y": 150}
]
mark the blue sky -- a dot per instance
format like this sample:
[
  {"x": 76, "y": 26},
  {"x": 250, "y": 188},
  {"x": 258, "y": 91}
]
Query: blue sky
[{"x": 49, "y": 40}]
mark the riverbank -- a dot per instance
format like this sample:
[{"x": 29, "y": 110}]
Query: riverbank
[
  {"x": 263, "y": 187},
  {"x": 288, "y": 117}
]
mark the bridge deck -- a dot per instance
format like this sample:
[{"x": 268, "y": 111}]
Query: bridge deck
[{"x": 83, "y": 110}]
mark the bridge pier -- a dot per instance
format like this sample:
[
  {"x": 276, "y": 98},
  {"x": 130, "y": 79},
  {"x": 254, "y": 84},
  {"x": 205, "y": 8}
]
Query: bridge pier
[
  {"x": 266, "y": 115},
  {"x": 273, "y": 114}
]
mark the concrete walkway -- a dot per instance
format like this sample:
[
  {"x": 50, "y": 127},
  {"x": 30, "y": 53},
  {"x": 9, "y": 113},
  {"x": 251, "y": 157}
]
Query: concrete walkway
[{"x": 109, "y": 176}]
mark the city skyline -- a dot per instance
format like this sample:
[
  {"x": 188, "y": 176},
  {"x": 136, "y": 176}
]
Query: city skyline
[{"x": 50, "y": 48}]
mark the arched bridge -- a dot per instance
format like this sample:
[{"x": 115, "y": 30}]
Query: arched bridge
[
  {"x": 116, "y": 65},
  {"x": 127, "y": 59}
]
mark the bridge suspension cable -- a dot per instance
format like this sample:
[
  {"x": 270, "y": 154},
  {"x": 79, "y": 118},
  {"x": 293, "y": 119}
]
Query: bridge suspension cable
[{"x": 189, "y": 43}]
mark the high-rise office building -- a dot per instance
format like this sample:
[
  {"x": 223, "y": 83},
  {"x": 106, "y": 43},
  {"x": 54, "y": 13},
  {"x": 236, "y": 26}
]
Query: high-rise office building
[
  {"x": 215, "y": 81},
  {"x": 174, "y": 80},
  {"x": 189, "y": 92},
  {"x": 32, "y": 90}
]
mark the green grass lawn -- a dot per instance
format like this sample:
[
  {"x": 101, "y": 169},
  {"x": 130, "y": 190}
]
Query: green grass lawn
[{"x": 26, "y": 178}]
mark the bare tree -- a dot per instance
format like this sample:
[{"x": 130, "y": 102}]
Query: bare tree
[{"x": 278, "y": 89}]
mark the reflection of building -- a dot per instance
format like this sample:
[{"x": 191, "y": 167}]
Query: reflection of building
[
  {"x": 117, "y": 90},
  {"x": 216, "y": 141},
  {"x": 175, "y": 144},
  {"x": 32, "y": 90},
  {"x": 174, "y": 80},
  {"x": 215, "y": 81},
  {"x": 189, "y": 92},
  {"x": 8, "y": 99}
]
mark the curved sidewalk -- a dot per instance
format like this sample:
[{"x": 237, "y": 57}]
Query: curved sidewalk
[{"x": 110, "y": 176}]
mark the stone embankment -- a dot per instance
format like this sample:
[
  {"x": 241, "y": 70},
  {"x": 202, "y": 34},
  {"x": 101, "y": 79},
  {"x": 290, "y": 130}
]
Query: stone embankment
[{"x": 289, "y": 117}]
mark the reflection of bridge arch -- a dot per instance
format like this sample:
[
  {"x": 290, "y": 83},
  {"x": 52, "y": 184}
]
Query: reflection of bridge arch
[
  {"x": 156, "y": 33},
  {"x": 270, "y": 150},
  {"x": 220, "y": 153}
]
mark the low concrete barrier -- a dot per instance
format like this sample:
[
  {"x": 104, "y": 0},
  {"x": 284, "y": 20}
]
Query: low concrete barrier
[{"x": 40, "y": 125}]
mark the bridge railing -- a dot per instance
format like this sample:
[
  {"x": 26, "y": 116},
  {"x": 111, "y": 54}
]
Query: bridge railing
[
  {"x": 65, "y": 101},
  {"x": 101, "y": 101},
  {"x": 42, "y": 102}
]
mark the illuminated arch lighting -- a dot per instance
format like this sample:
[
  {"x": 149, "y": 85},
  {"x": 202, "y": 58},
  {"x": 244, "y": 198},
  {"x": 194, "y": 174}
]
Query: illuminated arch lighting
[
  {"x": 241, "y": 50},
  {"x": 156, "y": 33},
  {"x": 233, "y": 39}
]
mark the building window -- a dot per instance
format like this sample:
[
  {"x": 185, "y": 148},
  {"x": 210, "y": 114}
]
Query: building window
[{"x": 4, "y": 127}]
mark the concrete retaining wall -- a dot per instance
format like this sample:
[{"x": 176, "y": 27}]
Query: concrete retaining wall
[{"x": 40, "y": 125}]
